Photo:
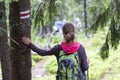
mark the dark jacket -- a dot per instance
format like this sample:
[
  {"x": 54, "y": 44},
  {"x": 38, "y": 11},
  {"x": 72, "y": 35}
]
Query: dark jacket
[{"x": 56, "y": 50}]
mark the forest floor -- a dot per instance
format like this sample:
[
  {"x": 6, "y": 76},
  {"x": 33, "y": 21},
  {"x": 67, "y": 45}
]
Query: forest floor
[{"x": 39, "y": 70}]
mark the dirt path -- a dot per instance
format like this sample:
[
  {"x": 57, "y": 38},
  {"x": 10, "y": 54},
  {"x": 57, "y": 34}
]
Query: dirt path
[{"x": 38, "y": 70}]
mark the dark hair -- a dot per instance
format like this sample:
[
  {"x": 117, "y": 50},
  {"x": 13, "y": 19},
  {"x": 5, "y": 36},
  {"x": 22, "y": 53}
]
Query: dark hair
[{"x": 68, "y": 32}]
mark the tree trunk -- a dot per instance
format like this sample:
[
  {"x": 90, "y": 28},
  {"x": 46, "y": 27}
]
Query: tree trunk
[
  {"x": 4, "y": 50},
  {"x": 20, "y": 54},
  {"x": 25, "y": 24},
  {"x": 85, "y": 17}
]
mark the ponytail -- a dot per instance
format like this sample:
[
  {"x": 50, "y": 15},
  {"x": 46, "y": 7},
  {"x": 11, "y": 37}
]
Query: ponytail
[
  {"x": 69, "y": 37},
  {"x": 68, "y": 32}
]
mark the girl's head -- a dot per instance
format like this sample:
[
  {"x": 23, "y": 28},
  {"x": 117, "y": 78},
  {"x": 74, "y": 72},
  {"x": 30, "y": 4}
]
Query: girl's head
[{"x": 68, "y": 32}]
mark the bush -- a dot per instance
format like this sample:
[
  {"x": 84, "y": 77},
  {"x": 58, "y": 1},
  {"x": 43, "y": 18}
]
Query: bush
[
  {"x": 99, "y": 69},
  {"x": 36, "y": 58},
  {"x": 51, "y": 66},
  {"x": 57, "y": 38},
  {"x": 33, "y": 63}
]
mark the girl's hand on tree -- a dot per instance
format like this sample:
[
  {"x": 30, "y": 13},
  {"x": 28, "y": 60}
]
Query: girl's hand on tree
[{"x": 26, "y": 40}]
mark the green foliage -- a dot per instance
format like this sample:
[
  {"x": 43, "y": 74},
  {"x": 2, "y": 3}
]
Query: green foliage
[
  {"x": 57, "y": 38},
  {"x": 11, "y": 0},
  {"x": 104, "y": 52},
  {"x": 105, "y": 70},
  {"x": 94, "y": 8},
  {"x": 43, "y": 12},
  {"x": 106, "y": 14},
  {"x": 36, "y": 58},
  {"x": 109, "y": 16},
  {"x": 33, "y": 63},
  {"x": 49, "y": 77},
  {"x": 51, "y": 66},
  {"x": 103, "y": 17},
  {"x": 99, "y": 69}
]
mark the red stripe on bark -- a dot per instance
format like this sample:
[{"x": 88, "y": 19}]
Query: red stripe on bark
[{"x": 25, "y": 14}]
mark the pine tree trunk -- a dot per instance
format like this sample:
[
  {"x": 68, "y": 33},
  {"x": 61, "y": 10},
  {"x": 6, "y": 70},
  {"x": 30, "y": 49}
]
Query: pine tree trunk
[
  {"x": 85, "y": 17},
  {"x": 20, "y": 54},
  {"x": 25, "y": 24},
  {"x": 4, "y": 50}
]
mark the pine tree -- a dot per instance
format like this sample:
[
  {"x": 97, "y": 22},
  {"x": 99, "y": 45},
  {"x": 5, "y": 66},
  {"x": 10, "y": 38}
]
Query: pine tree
[
  {"x": 20, "y": 26},
  {"x": 109, "y": 17},
  {"x": 4, "y": 49}
]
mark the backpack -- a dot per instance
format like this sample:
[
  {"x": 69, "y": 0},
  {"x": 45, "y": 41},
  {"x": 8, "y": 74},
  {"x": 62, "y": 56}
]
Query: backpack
[{"x": 68, "y": 67}]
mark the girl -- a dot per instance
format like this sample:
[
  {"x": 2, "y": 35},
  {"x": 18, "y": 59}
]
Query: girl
[{"x": 69, "y": 46}]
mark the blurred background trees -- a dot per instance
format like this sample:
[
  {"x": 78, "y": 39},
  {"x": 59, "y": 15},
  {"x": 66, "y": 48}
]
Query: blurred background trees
[
  {"x": 93, "y": 14},
  {"x": 90, "y": 15}
]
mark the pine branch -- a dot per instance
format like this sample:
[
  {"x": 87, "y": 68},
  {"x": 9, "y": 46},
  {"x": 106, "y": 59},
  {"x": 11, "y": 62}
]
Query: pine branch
[
  {"x": 103, "y": 18},
  {"x": 43, "y": 12},
  {"x": 110, "y": 16}
]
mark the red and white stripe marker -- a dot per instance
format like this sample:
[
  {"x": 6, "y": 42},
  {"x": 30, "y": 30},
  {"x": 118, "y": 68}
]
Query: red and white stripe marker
[{"x": 24, "y": 14}]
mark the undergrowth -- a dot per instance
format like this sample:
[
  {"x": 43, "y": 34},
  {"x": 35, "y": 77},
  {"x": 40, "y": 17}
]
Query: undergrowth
[{"x": 99, "y": 69}]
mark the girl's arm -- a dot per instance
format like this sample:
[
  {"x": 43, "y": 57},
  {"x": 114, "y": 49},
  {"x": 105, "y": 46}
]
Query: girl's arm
[
  {"x": 83, "y": 59},
  {"x": 42, "y": 52}
]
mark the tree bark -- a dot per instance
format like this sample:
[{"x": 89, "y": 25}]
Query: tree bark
[
  {"x": 25, "y": 24},
  {"x": 4, "y": 50},
  {"x": 20, "y": 54},
  {"x": 85, "y": 17}
]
